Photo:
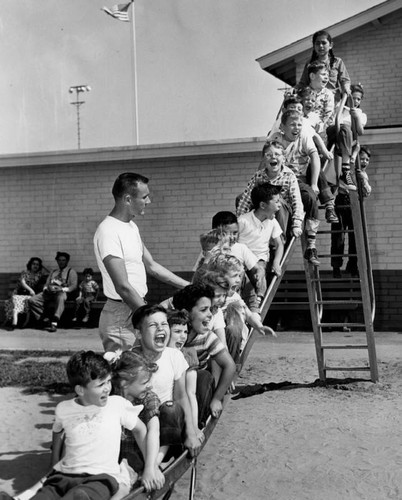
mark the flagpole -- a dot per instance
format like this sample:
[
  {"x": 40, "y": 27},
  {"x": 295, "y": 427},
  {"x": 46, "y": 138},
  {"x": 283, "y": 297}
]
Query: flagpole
[{"x": 135, "y": 85}]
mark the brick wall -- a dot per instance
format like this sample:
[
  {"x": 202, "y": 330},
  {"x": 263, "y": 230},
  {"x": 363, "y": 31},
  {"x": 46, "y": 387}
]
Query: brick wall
[{"x": 58, "y": 207}]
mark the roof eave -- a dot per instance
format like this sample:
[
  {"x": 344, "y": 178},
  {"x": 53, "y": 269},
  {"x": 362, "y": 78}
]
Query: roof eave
[{"x": 290, "y": 52}]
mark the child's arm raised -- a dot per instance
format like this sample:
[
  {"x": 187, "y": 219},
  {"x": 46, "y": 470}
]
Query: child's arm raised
[
  {"x": 228, "y": 369},
  {"x": 254, "y": 320}
]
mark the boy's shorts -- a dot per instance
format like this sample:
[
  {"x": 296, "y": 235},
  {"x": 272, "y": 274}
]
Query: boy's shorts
[{"x": 172, "y": 423}]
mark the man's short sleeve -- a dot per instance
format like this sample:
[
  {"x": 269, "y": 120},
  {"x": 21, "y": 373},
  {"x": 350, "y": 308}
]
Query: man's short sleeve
[{"x": 108, "y": 243}]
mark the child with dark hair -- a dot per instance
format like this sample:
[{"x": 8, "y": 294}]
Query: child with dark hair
[
  {"x": 225, "y": 234},
  {"x": 197, "y": 299},
  {"x": 325, "y": 103},
  {"x": 339, "y": 80},
  {"x": 88, "y": 292},
  {"x": 178, "y": 322},
  {"x": 220, "y": 287},
  {"x": 258, "y": 229},
  {"x": 169, "y": 380},
  {"x": 92, "y": 423}
]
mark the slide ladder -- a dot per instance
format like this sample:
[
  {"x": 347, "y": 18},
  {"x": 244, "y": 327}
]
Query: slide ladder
[{"x": 354, "y": 294}]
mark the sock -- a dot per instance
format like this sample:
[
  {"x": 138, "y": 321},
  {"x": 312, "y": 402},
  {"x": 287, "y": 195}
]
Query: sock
[{"x": 311, "y": 241}]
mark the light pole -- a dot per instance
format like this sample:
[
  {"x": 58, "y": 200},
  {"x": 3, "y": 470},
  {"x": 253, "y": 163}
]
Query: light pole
[{"x": 77, "y": 89}]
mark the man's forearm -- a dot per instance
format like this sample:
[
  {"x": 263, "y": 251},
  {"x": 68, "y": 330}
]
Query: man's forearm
[
  {"x": 162, "y": 274},
  {"x": 130, "y": 296}
]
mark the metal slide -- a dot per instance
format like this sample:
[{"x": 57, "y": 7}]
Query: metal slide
[{"x": 184, "y": 462}]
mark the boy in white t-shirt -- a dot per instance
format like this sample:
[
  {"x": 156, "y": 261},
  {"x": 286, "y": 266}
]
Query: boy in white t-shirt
[
  {"x": 91, "y": 424},
  {"x": 258, "y": 229},
  {"x": 169, "y": 380}
]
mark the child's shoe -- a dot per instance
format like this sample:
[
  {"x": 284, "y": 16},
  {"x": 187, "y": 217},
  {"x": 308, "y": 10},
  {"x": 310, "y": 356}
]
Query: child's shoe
[
  {"x": 330, "y": 216},
  {"x": 74, "y": 320},
  {"x": 85, "y": 319},
  {"x": 346, "y": 181},
  {"x": 311, "y": 256},
  {"x": 52, "y": 328}
]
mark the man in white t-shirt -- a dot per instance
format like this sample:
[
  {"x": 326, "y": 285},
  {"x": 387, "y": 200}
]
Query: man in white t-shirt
[{"x": 124, "y": 261}]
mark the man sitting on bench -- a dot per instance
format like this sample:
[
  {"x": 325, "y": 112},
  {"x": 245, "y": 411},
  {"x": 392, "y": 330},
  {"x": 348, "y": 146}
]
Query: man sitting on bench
[{"x": 50, "y": 303}]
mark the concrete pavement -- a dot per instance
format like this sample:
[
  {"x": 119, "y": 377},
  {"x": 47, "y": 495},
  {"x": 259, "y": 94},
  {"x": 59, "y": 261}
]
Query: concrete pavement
[{"x": 62, "y": 340}]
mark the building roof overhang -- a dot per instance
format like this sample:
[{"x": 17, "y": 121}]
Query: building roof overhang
[{"x": 282, "y": 63}]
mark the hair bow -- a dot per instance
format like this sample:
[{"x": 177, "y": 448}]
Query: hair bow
[{"x": 112, "y": 357}]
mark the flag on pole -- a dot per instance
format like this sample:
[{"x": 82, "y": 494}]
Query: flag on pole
[{"x": 119, "y": 11}]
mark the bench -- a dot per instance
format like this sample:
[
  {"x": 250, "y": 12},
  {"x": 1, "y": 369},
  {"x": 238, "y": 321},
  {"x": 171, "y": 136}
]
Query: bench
[{"x": 292, "y": 297}]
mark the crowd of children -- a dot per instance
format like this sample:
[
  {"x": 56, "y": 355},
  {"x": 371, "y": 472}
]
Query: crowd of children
[
  {"x": 305, "y": 136},
  {"x": 175, "y": 376}
]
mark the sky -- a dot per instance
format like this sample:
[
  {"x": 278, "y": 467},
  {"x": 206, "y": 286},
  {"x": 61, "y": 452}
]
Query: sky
[{"x": 197, "y": 75}]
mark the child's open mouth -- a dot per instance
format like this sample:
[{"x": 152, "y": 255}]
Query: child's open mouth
[
  {"x": 179, "y": 345},
  {"x": 273, "y": 163},
  {"x": 160, "y": 339}
]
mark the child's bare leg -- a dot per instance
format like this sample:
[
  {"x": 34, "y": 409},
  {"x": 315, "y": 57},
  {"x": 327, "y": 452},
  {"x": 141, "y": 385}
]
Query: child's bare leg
[
  {"x": 161, "y": 454},
  {"x": 123, "y": 491},
  {"x": 128, "y": 477}
]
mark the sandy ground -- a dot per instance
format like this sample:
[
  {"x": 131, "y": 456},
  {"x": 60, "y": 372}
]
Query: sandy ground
[{"x": 338, "y": 443}]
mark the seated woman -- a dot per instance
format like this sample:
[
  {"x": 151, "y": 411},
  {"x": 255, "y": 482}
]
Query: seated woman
[{"x": 29, "y": 283}]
